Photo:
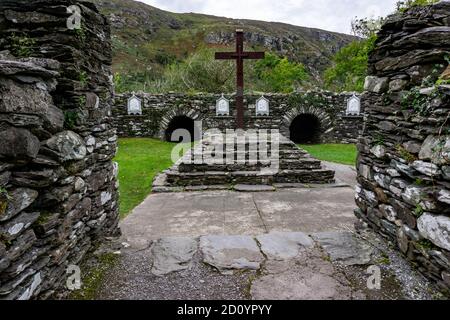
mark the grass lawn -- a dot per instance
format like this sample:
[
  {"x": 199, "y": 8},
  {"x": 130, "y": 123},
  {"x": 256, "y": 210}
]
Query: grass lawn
[
  {"x": 339, "y": 153},
  {"x": 140, "y": 159}
]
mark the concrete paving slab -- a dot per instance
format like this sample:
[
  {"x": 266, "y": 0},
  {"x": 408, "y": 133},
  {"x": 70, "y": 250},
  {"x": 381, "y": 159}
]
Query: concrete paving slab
[{"x": 195, "y": 214}]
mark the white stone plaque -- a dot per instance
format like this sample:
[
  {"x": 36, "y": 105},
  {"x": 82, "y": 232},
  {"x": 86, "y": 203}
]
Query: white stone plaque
[
  {"x": 353, "y": 106},
  {"x": 262, "y": 107},
  {"x": 223, "y": 107},
  {"x": 134, "y": 106}
]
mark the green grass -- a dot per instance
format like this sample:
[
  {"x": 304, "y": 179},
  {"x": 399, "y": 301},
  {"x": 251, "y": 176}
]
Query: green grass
[
  {"x": 140, "y": 159},
  {"x": 339, "y": 153}
]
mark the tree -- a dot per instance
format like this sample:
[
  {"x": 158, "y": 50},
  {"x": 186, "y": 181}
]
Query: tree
[
  {"x": 277, "y": 74},
  {"x": 350, "y": 66},
  {"x": 199, "y": 72},
  {"x": 408, "y": 4}
]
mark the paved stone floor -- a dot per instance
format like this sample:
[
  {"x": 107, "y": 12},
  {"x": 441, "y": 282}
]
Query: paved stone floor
[{"x": 289, "y": 244}]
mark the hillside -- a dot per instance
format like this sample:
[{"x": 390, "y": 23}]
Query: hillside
[{"x": 145, "y": 38}]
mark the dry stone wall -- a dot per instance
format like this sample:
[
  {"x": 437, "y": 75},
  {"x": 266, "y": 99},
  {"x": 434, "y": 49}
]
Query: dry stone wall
[
  {"x": 58, "y": 187},
  {"x": 159, "y": 109},
  {"x": 404, "y": 153}
]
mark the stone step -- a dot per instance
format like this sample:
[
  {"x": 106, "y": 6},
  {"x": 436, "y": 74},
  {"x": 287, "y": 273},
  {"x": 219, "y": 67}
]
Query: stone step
[
  {"x": 293, "y": 164},
  {"x": 283, "y": 154},
  {"x": 268, "y": 177}
]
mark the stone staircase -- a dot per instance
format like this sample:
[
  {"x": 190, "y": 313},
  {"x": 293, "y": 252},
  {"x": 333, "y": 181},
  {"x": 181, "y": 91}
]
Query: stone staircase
[{"x": 238, "y": 163}]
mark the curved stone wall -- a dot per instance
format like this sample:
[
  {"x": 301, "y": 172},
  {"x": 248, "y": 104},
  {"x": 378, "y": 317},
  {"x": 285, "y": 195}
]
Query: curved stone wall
[
  {"x": 404, "y": 153},
  {"x": 58, "y": 188}
]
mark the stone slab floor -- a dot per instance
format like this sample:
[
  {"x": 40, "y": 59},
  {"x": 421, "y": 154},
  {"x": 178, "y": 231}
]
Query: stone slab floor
[{"x": 289, "y": 244}]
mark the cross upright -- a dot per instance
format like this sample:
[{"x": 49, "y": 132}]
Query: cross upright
[{"x": 239, "y": 56}]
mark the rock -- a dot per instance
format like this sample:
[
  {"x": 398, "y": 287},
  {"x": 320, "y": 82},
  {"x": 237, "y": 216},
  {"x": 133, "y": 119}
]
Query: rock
[
  {"x": 389, "y": 212},
  {"x": 284, "y": 245},
  {"x": 444, "y": 196},
  {"x": 19, "y": 199},
  {"x": 435, "y": 228},
  {"x": 379, "y": 151},
  {"x": 427, "y": 168},
  {"x": 397, "y": 84},
  {"x": 446, "y": 74},
  {"x": 344, "y": 247},
  {"x": 375, "y": 84},
  {"x": 412, "y": 147},
  {"x": 13, "y": 228},
  {"x": 68, "y": 146},
  {"x": 172, "y": 254},
  {"x": 415, "y": 195},
  {"x": 446, "y": 172},
  {"x": 436, "y": 149},
  {"x": 231, "y": 252},
  {"x": 28, "y": 293},
  {"x": 386, "y": 126},
  {"x": 365, "y": 171},
  {"x": 313, "y": 279},
  {"x": 18, "y": 144},
  {"x": 105, "y": 197}
]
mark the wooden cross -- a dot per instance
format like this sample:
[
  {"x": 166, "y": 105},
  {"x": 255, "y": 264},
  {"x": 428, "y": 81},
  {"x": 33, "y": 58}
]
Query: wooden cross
[{"x": 239, "y": 56}]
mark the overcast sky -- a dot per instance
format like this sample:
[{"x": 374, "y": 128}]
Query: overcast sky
[{"x": 333, "y": 15}]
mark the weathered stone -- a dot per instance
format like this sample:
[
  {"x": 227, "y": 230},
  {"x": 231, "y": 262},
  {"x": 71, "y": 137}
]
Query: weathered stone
[
  {"x": 379, "y": 151},
  {"x": 375, "y": 84},
  {"x": 436, "y": 149},
  {"x": 13, "y": 228},
  {"x": 435, "y": 228},
  {"x": 446, "y": 172},
  {"x": 172, "y": 254},
  {"x": 412, "y": 147},
  {"x": 18, "y": 144},
  {"x": 284, "y": 245},
  {"x": 344, "y": 247},
  {"x": 253, "y": 188},
  {"x": 386, "y": 126},
  {"x": 231, "y": 252},
  {"x": 19, "y": 199},
  {"x": 397, "y": 84},
  {"x": 388, "y": 212},
  {"x": 444, "y": 196},
  {"x": 68, "y": 145},
  {"x": 426, "y": 168}
]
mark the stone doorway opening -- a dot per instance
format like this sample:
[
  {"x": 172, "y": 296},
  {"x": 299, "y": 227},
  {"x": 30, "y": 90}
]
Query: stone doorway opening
[
  {"x": 306, "y": 129},
  {"x": 180, "y": 122}
]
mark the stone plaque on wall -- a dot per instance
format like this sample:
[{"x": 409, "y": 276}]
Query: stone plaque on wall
[
  {"x": 353, "y": 106},
  {"x": 223, "y": 107},
  {"x": 134, "y": 106},
  {"x": 262, "y": 107}
]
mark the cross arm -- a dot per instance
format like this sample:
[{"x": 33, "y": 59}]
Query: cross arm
[
  {"x": 254, "y": 55},
  {"x": 224, "y": 56}
]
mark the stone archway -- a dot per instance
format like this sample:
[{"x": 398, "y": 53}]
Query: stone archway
[
  {"x": 178, "y": 119},
  {"x": 306, "y": 124},
  {"x": 305, "y": 129}
]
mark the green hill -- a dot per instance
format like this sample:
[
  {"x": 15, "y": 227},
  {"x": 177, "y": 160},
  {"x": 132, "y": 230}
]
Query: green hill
[{"x": 145, "y": 38}]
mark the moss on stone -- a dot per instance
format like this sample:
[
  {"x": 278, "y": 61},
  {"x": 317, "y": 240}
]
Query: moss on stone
[{"x": 94, "y": 277}]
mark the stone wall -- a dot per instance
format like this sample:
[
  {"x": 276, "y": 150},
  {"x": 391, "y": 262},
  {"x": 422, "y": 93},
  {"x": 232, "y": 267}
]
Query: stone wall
[
  {"x": 58, "y": 188},
  {"x": 404, "y": 153},
  {"x": 158, "y": 110}
]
